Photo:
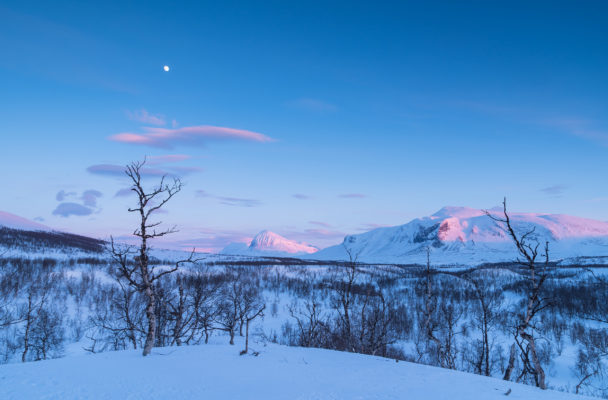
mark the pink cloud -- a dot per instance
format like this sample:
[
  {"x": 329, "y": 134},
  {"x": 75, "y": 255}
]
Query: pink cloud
[
  {"x": 194, "y": 135},
  {"x": 352, "y": 196},
  {"x": 146, "y": 118}
]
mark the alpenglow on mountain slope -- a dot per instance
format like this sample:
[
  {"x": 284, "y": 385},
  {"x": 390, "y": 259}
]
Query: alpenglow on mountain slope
[
  {"x": 13, "y": 221},
  {"x": 268, "y": 243},
  {"x": 460, "y": 235}
]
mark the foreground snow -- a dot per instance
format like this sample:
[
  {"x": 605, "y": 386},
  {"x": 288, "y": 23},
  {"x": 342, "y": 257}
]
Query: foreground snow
[{"x": 216, "y": 371}]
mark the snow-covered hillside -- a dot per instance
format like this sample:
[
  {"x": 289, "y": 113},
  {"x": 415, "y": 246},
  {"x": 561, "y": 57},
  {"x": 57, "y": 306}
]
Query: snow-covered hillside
[
  {"x": 20, "y": 237},
  {"x": 216, "y": 371},
  {"x": 13, "y": 221},
  {"x": 268, "y": 243},
  {"x": 460, "y": 235}
]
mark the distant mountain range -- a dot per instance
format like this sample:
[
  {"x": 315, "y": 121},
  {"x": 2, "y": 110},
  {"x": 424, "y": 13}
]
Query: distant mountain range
[
  {"x": 466, "y": 236},
  {"x": 268, "y": 243},
  {"x": 455, "y": 235}
]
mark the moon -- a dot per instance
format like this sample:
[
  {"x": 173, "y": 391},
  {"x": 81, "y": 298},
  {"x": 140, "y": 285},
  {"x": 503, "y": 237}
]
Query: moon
[{"x": 166, "y": 68}]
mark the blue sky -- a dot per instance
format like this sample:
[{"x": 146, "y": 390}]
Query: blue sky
[{"x": 311, "y": 119}]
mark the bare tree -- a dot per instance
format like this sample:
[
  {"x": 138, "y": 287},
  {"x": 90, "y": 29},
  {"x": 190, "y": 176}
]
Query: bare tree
[
  {"x": 37, "y": 297},
  {"x": 312, "y": 324},
  {"x": 252, "y": 307},
  {"x": 528, "y": 250},
  {"x": 489, "y": 299},
  {"x": 427, "y": 320},
  {"x": 133, "y": 264},
  {"x": 345, "y": 279}
]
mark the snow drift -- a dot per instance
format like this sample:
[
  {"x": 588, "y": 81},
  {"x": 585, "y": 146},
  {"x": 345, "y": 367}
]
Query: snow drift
[{"x": 216, "y": 371}]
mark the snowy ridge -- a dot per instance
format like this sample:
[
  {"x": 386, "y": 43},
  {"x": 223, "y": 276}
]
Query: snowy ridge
[
  {"x": 13, "y": 221},
  {"x": 461, "y": 235},
  {"x": 268, "y": 243},
  {"x": 217, "y": 371}
]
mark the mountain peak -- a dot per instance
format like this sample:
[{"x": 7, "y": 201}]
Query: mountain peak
[
  {"x": 270, "y": 241},
  {"x": 457, "y": 212}
]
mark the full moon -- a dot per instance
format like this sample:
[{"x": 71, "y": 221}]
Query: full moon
[{"x": 166, "y": 68}]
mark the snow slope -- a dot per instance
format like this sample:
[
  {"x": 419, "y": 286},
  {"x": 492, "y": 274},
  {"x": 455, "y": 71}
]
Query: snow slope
[
  {"x": 461, "y": 235},
  {"x": 15, "y": 222},
  {"x": 216, "y": 371},
  {"x": 268, "y": 243}
]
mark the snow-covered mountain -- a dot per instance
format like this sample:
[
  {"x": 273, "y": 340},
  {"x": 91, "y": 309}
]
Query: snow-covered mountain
[
  {"x": 268, "y": 243},
  {"x": 460, "y": 235},
  {"x": 13, "y": 221}
]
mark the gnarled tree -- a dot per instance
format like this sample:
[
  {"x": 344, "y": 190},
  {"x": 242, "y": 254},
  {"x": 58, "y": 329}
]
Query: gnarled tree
[
  {"x": 133, "y": 262},
  {"x": 528, "y": 250}
]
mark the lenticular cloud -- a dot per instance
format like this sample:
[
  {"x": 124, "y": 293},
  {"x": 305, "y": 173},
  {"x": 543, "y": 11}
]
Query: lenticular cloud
[{"x": 192, "y": 135}]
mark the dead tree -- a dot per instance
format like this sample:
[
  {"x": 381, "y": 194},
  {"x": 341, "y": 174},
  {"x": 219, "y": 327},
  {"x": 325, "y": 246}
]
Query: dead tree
[
  {"x": 37, "y": 298},
  {"x": 489, "y": 298},
  {"x": 528, "y": 250},
  {"x": 230, "y": 307},
  {"x": 427, "y": 312},
  {"x": 252, "y": 306},
  {"x": 133, "y": 263},
  {"x": 345, "y": 279},
  {"x": 312, "y": 324}
]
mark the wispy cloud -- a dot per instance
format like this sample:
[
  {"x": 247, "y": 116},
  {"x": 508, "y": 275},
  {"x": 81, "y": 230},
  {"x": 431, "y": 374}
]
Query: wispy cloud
[
  {"x": 167, "y": 158},
  {"x": 555, "y": 190},
  {"x": 580, "y": 127},
  {"x": 301, "y": 196},
  {"x": 313, "y": 105},
  {"x": 214, "y": 240},
  {"x": 124, "y": 192},
  {"x": 119, "y": 170},
  {"x": 182, "y": 171},
  {"x": 352, "y": 196},
  {"x": 320, "y": 223},
  {"x": 371, "y": 226},
  {"x": 190, "y": 135},
  {"x": 145, "y": 117},
  {"x": 319, "y": 236},
  {"x": 230, "y": 201}
]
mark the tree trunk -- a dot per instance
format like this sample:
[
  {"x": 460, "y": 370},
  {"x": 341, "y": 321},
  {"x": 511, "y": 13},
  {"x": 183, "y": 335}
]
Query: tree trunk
[
  {"x": 151, "y": 315},
  {"x": 231, "y": 336},
  {"x": 246, "y": 338},
  {"x": 509, "y": 370},
  {"x": 538, "y": 369},
  {"x": 26, "y": 335}
]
